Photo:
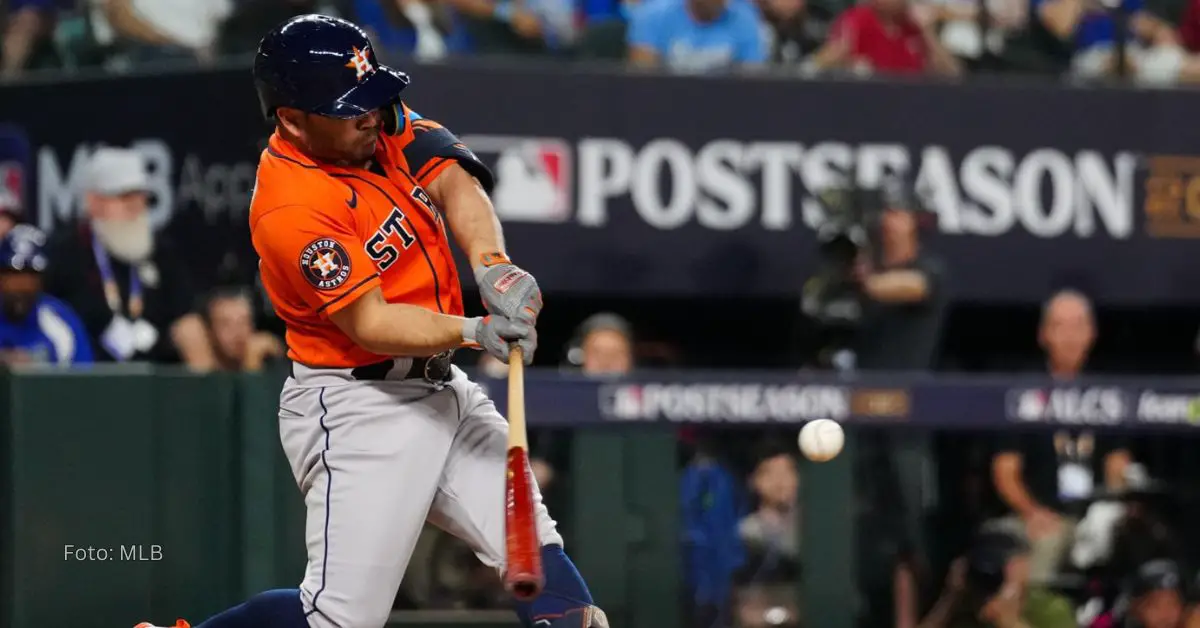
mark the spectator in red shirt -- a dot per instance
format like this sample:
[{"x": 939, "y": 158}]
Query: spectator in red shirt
[{"x": 886, "y": 37}]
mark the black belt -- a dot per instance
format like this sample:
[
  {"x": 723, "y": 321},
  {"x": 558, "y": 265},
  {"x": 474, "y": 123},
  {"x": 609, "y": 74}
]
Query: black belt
[{"x": 435, "y": 368}]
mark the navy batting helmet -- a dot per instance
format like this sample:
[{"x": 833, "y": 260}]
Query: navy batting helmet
[
  {"x": 21, "y": 249},
  {"x": 322, "y": 65}
]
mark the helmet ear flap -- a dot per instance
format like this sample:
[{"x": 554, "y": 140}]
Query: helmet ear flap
[{"x": 393, "y": 118}]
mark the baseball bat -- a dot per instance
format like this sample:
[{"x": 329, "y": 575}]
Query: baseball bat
[{"x": 523, "y": 578}]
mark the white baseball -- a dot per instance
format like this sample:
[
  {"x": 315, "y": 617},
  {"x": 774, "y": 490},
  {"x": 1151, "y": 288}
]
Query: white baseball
[{"x": 821, "y": 440}]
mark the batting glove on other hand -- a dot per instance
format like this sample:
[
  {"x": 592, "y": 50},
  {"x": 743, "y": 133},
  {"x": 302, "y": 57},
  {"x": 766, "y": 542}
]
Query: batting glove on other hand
[
  {"x": 507, "y": 290},
  {"x": 497, "y": 335}
]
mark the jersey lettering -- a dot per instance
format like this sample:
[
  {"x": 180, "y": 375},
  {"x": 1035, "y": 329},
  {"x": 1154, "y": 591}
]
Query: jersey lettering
[
  {"x": 383, "y": 253},
  {"x": 422, "y": 197}
]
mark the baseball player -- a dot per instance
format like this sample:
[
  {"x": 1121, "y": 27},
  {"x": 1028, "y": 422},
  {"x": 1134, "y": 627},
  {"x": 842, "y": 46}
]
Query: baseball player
[{"x": 355, "y": 198}]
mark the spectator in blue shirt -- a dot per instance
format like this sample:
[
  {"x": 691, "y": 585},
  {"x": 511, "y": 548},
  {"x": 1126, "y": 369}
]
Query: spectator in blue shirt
[
  {"x": 1089, "y": 27},
  {"x": 696, "y": 35},
  {"x": 35, "y": 328}
]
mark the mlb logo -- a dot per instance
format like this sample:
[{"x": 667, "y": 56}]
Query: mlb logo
[
  {"x": 14, "y": 166},
  {"x": 1027, "y": 405},
  {"x": 622, "y": 402},
  {"x": 12, "y": 186},
  {"x": 533, "y": 176}
]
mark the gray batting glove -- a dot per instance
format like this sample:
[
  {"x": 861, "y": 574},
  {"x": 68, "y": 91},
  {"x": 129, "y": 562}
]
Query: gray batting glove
[
  {"x": 507, "y": 290},
  {"x": 497, "y": 335}
]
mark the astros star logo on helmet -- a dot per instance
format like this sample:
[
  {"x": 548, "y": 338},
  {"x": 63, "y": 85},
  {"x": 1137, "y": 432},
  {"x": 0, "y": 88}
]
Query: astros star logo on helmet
[{"x": 360, "y": 61}]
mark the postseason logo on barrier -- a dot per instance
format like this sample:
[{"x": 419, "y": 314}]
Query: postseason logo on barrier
[
  {"x": 1094, "y": 405},
  {"x": 724, "y": 403}
]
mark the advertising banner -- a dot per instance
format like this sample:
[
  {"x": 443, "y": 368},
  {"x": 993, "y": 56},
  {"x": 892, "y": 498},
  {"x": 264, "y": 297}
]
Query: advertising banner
[
  {"x": 640, "y": 184},
  {"x": 765, "y": 398}
]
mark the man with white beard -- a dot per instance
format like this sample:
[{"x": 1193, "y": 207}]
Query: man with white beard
[{"x": 131, "y": 288}]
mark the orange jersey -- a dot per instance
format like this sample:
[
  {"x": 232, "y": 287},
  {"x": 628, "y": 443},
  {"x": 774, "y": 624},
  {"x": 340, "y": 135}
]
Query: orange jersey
[{"x": 326, "y": 235}]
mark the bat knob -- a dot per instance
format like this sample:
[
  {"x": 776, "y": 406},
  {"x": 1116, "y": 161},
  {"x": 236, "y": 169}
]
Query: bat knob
[{"x": 524, "y": 587}]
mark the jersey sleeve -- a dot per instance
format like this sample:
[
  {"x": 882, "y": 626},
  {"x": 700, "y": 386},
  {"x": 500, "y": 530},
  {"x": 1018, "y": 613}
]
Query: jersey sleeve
[
  {"x": 317, "y": 254},
  {"x": 431, "y": 148}
]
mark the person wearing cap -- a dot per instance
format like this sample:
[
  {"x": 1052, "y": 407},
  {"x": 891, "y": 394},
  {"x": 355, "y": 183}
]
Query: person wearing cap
[
  {"x": 906, "y": 298},
  {"x": 131, "y": 289},
  {"x": 35, "y": 328}
]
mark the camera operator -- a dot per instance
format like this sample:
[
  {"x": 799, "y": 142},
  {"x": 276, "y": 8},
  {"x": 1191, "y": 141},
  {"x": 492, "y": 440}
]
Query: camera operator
[
  {"x": 904, "y": 294},
  {"x": 990, "y": 588},
  {"x": 876, "y": 302}
]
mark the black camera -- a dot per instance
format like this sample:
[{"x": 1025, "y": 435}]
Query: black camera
[{"x": 832, "y": 296}]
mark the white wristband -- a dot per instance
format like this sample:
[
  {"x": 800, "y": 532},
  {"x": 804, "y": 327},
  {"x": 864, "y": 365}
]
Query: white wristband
[
  {"x": 479, "y": 272},
  {"x": 470, "y": 329}
]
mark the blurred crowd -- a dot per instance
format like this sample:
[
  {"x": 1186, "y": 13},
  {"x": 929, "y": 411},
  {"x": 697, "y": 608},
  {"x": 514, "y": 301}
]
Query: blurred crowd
[
  {"x": 1153, "y": 42},
  {"x": 108, "y": 288}
]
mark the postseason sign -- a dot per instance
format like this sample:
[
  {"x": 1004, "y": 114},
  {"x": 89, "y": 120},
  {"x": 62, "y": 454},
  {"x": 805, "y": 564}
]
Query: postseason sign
[{"x": 786, "y": 398}]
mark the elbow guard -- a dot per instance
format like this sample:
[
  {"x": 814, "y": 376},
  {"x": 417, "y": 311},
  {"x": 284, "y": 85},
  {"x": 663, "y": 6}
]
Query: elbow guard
[{"x": 433, "y": 145}]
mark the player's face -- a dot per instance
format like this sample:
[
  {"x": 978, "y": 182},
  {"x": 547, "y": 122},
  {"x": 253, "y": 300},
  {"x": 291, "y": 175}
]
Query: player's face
[
  {"x": 607, "y": 352},
  {"x": 334, "y": 140},
  {"x": 19, "y": 293}
]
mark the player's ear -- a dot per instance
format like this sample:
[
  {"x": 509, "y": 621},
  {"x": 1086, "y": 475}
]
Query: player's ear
[{"x": 291, "y": 120}]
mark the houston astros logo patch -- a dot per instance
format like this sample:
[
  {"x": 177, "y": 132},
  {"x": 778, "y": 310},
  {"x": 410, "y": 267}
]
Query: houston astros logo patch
[{"x": 325, "y": 264}]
